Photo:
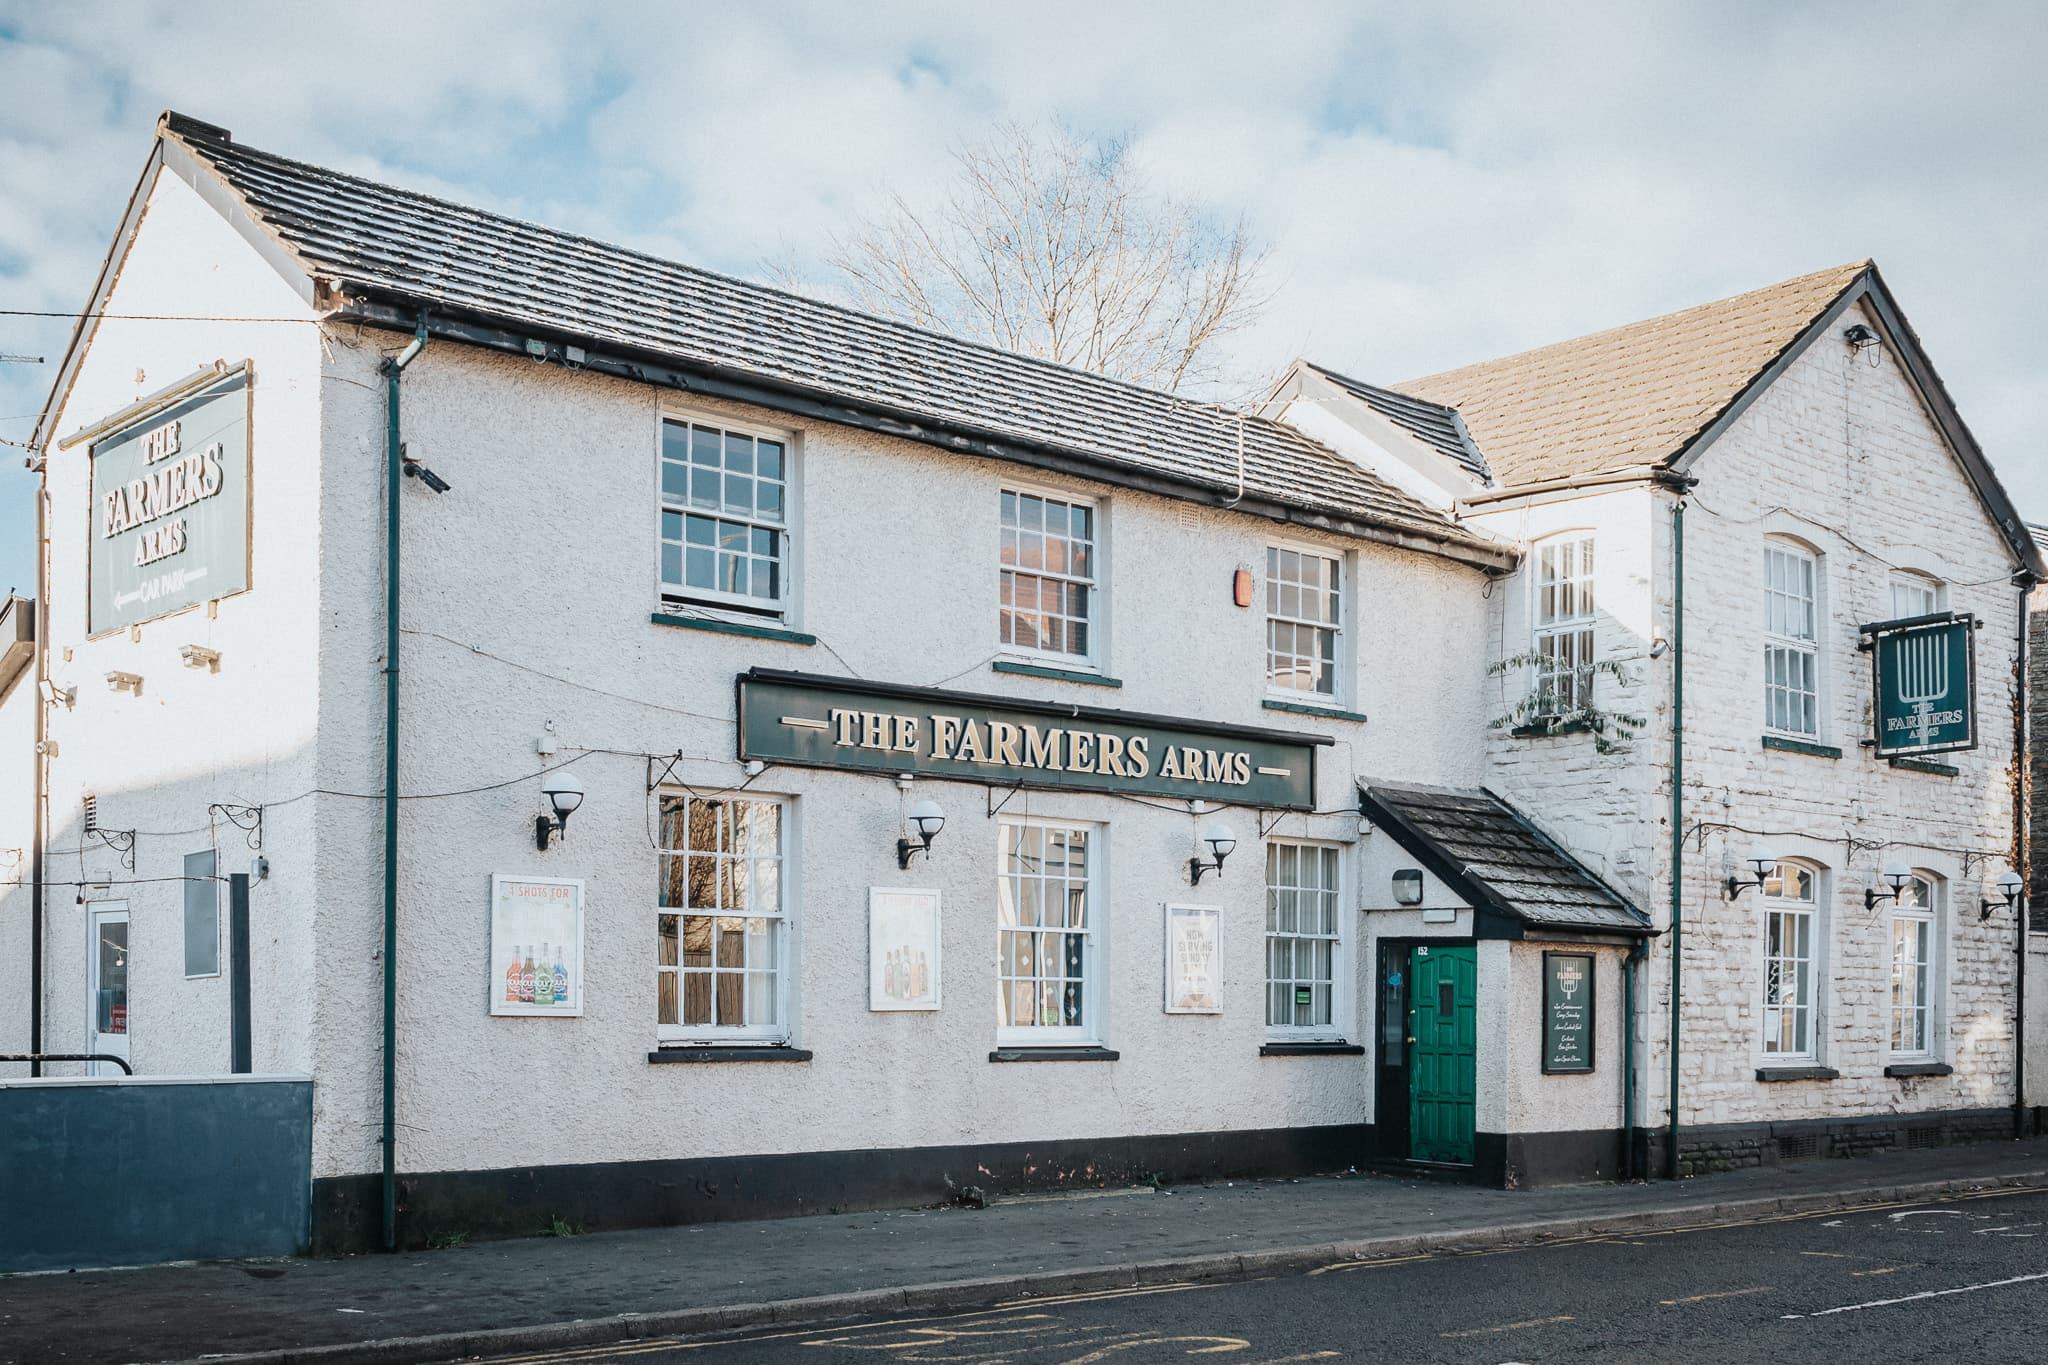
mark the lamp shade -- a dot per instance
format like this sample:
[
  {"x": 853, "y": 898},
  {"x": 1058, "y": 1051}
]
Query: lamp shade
[
  {"x": 564, "y": 792},
  {"x": 1896, "y": 875},
  {"x": 1221, "y": 840},
  {"x": 928, "y": 817},
  {"x": 2009, "y": 884}
]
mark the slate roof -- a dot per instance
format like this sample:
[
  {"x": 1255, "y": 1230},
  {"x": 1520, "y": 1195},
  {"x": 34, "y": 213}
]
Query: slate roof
[
  {"x": 1498, "y": 861},
  {"x": 1432, "y": 423},
  {"x": 392, "y": 245},
  {"x": 1631, "y": 396}
]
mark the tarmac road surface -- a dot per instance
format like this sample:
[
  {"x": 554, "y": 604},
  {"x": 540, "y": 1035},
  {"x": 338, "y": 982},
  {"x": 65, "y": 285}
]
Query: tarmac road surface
[{"x": 1963, "y": 1279}]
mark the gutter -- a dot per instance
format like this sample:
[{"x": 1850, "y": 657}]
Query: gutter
[
  {"x": 394, "y": 459},
  {"x": 1642, "y": 473}
]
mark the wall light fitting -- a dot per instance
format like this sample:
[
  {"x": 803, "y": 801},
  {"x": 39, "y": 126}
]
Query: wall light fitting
[
  {"x": 1895, "y": 875},
  {"x": 2009, "y": 886},
  {"x": 564, "y": 793},
  {"x": 1221, "y": 841},
  {"x": 118, "y": 681},
  {"x": 1761, "y": 861},
  {"x": 928, "y": 819},
  {"x": 199, "y": 656}
]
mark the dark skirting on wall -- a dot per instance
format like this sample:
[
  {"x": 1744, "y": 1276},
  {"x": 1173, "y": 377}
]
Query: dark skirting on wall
[
  {"x": 1729, "y": 1146},
  {"x": 521, "y": 1201}
]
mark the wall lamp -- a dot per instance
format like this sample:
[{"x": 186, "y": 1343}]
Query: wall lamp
[
  {"x": 131, "y": 683},
  {"x": 1761, "y": 861},
  {"x": 1408, "y": 886},
  {"x": 199, "y": 656},
  {"x": 928, "y": 819},
  {"x": 2009, "y": 885},
  {"x": 1220, "y": 841},
  {"x": 1895, "y": 875},
  {"x": 564, "y": 794}
]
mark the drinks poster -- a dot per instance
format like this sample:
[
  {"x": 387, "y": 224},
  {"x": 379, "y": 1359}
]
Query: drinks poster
[
  {"x": 1194, "y": 971},
  {"x": 903, "y": 949},
  {"x": 536, "y": 946}
]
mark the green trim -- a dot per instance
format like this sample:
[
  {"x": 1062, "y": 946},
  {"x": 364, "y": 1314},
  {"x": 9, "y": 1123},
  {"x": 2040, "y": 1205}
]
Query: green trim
[
  {"x": 794, "y": 637},
  {"x": 1923, "y": 765},
  {"x": 1800, "y": 746},
  {"x": 1299, "y": 709},
  {"x": 1057, "y": 674}
]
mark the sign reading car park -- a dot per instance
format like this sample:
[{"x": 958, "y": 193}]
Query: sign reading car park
[
  {"x": 170, "y": 508},
  {"x": 1925, "y": 684}
]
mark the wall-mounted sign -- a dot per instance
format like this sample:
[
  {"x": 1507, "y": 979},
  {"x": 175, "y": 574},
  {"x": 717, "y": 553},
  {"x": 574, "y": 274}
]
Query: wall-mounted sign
[
  {"x": 1194, "y": 959},
  {"x": 1567, "y": 1012},
  {"x": 903, "y": 949},
  {"x": 839, "y": 723},
  {"x": 1925, "y": 672},
  {"x": 170, "y": 508},
  {"x": 536, "y": 946}
]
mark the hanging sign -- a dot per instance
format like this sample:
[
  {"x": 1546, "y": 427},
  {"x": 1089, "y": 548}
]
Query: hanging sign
[
  {"x": 843, "y": 723},
  {"x": 1925, "y": 689},
  {"x": 170, "y": 508},
  {"x": 1567, "y": 1012}
]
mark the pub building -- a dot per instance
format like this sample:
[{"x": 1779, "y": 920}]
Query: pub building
[{"x": 594, "y": 739}]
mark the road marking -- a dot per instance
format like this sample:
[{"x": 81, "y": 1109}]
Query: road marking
[
  {"x": 1508, "y": 1326},
  {"x": 1923, "y": 1294},
  {"x": 1722, "y": 1294},
  {"x": 1096, "y": 1296},
  {"x": 1831, "y": 1255}
]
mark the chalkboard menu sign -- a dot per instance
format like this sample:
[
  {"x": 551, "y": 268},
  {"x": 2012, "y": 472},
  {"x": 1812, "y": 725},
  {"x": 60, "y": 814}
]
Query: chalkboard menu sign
[{"x": 1567, "y": 1012}]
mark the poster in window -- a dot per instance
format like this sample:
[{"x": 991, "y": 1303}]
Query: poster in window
[
  {"x": 903, "y": 949},
  {"x": 536, "y": 946},
  {"x": 1567, "y": 1013},
  {"x": 1194, "y": 959}
]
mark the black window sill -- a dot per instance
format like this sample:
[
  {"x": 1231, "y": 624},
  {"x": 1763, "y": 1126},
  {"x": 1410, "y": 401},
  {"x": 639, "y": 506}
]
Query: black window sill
[
  {"x": 1919, "y": 1069},
  {"x": 1340, "y": 1048},
  {"x": 1922, "y": 765},
  {"x": 1801, "y": 746},
  {"x": 1072, "y": 675},
  {"x": 1797, "y": 1073},
  {"x": 729, "y": 1054},
  {"x": 1302, "y": 708},
  {"x": 1053, "y": 1054},
  {"x": 1541, "y": 730},
  {"x": 794, "y": 637}
]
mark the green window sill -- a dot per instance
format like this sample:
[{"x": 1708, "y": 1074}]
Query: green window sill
[
  {"x": 794, "y": 637},
  {"x": 1053, "y": 1054},
  {"x": 1773, "y": 1074},
  {"x": 1801, "y": 746},
  {"x": 1303, "y": 709},
  {"x": 1057, "y": 674}
]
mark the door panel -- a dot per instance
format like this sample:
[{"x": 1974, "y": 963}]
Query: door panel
[{"x": 1443, "y": 1067}]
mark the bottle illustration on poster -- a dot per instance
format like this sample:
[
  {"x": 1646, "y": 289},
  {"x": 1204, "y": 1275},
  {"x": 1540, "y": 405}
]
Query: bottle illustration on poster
[
  {"x": 536, "y": 945},
  {"x": 903, "y": 949}
]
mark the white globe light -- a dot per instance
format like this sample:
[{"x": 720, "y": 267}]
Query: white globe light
[
  {"x": 563, "y": 791},
  {"x": 929, "y": 818}
]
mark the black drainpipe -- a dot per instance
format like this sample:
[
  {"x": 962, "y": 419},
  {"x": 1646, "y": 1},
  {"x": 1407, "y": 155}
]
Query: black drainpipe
[{"x": 2022, "y": 858}]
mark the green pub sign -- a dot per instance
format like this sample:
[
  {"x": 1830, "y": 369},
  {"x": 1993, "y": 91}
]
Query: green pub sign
[
  {"x": 170, "y": 508},
  {"x": 1567, "y": 1013},
  {"x": 817, "y": 722},
  {"x": 1925, "y": 690}
]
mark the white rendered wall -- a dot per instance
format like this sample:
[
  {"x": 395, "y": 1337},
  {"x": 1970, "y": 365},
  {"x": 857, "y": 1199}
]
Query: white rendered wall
[
  {"x": 192, "y": 739},
  {"x": 544, "y": 556},
  {"x": 17, "y": 832}
]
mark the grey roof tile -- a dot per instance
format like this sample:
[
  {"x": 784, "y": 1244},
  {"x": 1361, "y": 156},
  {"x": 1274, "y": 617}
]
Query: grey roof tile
[{"x": 1432, "y": 423}]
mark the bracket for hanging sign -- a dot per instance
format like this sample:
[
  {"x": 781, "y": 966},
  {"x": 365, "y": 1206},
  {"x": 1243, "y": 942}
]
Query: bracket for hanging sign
[{"x": 668, "y": 770}]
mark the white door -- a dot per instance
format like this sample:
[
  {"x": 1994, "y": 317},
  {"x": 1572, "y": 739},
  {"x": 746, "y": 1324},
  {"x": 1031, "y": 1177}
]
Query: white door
[{"x": 106, "y": 966}]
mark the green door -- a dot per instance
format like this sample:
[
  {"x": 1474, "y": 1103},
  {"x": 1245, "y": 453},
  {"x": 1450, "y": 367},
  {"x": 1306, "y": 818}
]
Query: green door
[{"x": 1443, "y": 1072}]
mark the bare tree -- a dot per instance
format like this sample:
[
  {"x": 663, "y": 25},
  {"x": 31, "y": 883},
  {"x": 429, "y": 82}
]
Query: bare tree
[{"x": 1054, "y": 246}]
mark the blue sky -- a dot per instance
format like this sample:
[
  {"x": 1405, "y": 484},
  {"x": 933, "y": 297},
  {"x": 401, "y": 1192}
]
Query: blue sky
[{"x": 1439, "y": 183}]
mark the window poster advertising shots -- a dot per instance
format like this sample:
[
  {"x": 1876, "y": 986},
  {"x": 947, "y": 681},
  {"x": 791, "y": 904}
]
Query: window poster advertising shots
[
  {"x": 536, "y": 946},
  {"x": 1194, "y": 959},
  {"x": 903, "y": 949}
]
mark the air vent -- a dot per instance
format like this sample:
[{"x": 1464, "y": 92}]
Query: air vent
[
  {"x": 92, "y": 813},
  {"x": 1919, "y": 1138},
  {"x": 1798, "y": 1147}
]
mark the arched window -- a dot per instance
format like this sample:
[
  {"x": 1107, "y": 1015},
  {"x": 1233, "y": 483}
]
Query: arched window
[
  {"x": 1913, "y": 966},
  {"x": 1792, "y": 589},
  {"x": 1791, "y": 911}
]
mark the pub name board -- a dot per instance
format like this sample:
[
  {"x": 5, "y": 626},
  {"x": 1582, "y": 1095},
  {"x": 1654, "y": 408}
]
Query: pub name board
[
  {"x": 840, "y": 723},
  {"x": 1924, "y": 672},
  {"x": 170, "y": 508}
]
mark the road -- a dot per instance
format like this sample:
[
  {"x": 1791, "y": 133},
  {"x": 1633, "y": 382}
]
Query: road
[{"x": 1964, "y": 1279}]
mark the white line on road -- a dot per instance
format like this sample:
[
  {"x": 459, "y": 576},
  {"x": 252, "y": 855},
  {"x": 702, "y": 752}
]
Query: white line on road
[
  {"x": 1508, "y": 1326},
  {"x": 1720, "y": 1294},
  {"x": 1923, "y": 1294}
]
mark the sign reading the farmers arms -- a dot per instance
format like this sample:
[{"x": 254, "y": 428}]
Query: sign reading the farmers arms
[
  {"x": 170, "y": 508},
  {"x": 1567, "y": 1012},
  {"x": 1926, "y": 685},
  {"x": 839, "y": 723}
]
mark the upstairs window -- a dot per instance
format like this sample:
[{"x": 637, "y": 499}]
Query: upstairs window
[
  {"x": 1563, "y": 619},
  {"x": 725, "y": 538},
  {"x": 1914, "y": 595},
  {"x": 1048, "y": 575},
  {"x": 1791, "y": 640},
  {"x": 1303, "y": 608}
]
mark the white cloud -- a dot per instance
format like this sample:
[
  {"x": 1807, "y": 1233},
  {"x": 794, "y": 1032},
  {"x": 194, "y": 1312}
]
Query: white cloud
[{"x": 1440, "y": 183}]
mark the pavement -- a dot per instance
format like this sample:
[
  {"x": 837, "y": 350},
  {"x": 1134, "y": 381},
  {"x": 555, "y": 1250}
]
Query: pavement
[{"x": 548, "y": 1293}]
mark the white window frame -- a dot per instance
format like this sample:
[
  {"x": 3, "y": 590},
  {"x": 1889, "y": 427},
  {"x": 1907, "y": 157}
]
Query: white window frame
[
  {"x": 1339, "y": 636},
  {"x": 1793, "y": 645},
  {"x": 1340, "y": 941},
  {"x": 741, "y": 607},
  {"x": 1581, "y": 627},
  {"x": 1792, "y": 909},
  {"x": 1095, "y": 582},
  {"x": 1094, "y": 966},
  {"x": 784, "y": 915},
  {"x": 1910, "y": 581},
  {"x": 1925, "y": 913}
]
